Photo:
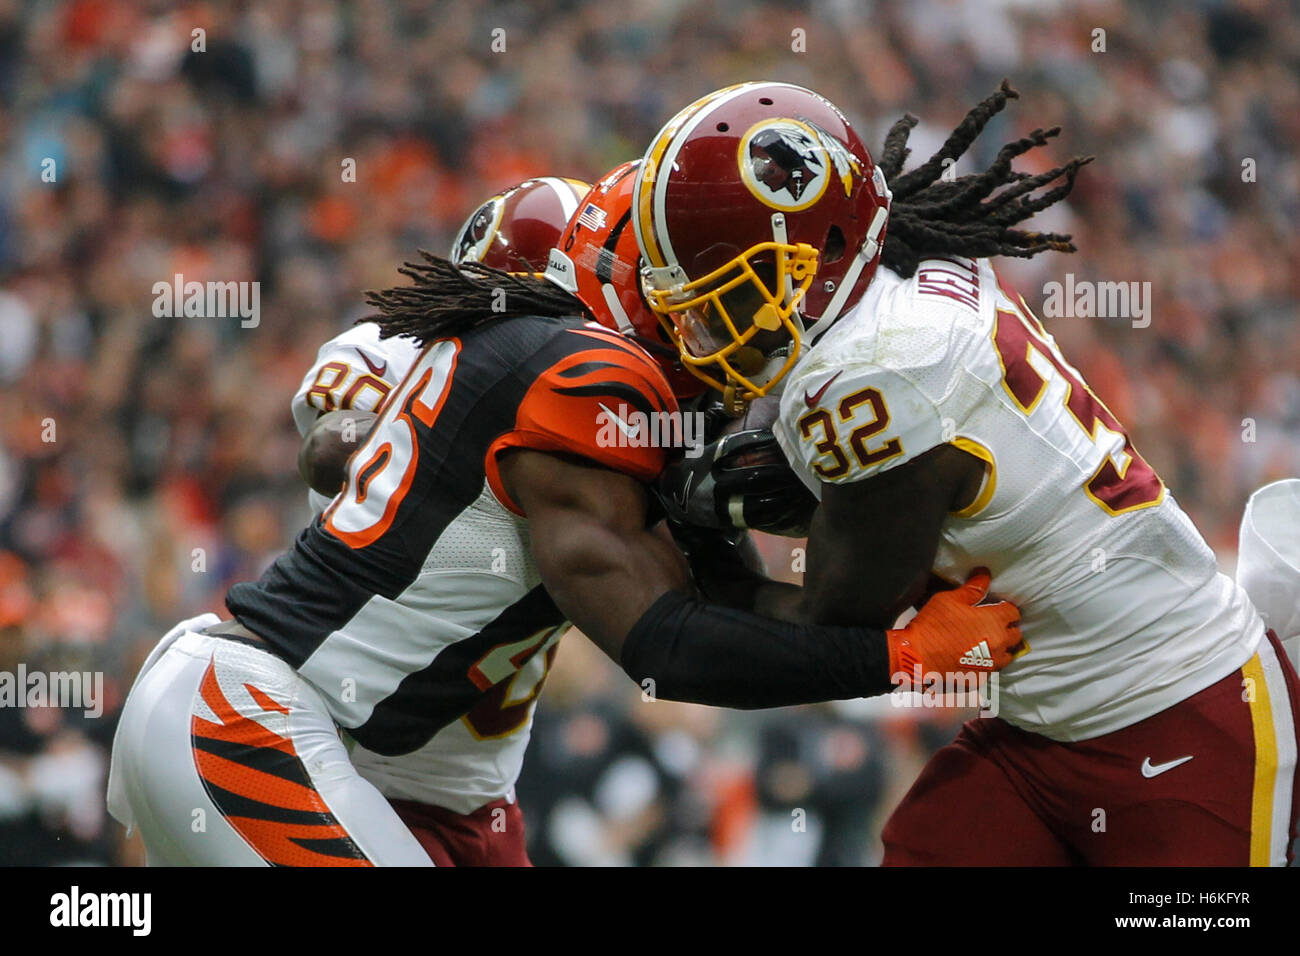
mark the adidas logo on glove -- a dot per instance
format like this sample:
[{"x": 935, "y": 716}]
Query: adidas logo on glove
[{"x": 978, "y": 656}]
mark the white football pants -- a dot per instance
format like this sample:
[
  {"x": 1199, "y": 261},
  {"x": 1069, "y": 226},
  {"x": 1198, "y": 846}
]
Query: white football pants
[{"x": 224, "y": 756}]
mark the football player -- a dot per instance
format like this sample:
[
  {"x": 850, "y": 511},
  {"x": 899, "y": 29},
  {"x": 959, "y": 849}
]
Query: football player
[
  {"x": 456, "y": 792},
  {"x": 354, "y": 371},
  {"x": 485, "y": 510},
  {"x": 1149, "y": 720}
]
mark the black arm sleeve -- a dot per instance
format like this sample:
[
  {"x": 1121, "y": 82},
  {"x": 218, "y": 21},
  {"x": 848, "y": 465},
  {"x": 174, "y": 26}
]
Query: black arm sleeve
[
  {"x": 706, "y": 654},
  {"x": 726, "y": 565}
]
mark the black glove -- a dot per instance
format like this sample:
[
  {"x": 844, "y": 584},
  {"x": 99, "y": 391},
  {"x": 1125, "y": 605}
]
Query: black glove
[{"x": 739, "y": 480}]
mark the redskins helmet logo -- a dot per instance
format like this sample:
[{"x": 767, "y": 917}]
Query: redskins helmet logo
[
  {"x": 784, "y": 164},
  {"x": 475, "y": 237},
  {"x": 789, "y": 163},
  {"x": 847, "y": 166}
]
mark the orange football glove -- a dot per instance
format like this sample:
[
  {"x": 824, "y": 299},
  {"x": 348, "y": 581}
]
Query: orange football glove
[{"x": 953, "y": 633}]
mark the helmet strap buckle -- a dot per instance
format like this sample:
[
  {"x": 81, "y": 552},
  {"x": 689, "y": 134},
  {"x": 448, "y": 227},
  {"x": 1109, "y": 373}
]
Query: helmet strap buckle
[{"x": 733, "y": 403}]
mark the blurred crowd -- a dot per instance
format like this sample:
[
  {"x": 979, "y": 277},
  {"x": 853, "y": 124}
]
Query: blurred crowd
[{"x": 146, "y": 463}]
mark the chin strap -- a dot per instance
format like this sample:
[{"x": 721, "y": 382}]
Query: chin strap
[{"x": 732, "y": 403}]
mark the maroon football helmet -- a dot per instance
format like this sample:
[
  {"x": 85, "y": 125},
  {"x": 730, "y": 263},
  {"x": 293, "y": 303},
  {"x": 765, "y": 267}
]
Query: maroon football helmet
[
  {"x": 515, "y": 229},
  {"x": 760, "y": 194}
]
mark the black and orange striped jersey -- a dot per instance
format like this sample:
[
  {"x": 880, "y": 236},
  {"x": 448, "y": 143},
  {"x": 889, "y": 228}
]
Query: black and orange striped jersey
[{"x": 414, "y": 604}]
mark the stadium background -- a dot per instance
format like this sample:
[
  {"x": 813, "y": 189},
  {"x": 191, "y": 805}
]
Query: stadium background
[{"x": 175, "y": 434}]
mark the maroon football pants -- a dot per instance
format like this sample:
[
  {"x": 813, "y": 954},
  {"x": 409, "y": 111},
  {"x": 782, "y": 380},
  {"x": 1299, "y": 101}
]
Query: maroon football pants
[
  {"x": 1210, "y": 781},
  {"x": 493, "y": 835}
]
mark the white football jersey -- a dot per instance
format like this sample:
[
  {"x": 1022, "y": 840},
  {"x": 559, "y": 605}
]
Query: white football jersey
[
  {"x": 477, "y": 758},
  {"x": 354, "y": 370},
  {"x": 471, "y": 762},
  {"x": 1124, "y": 611}
]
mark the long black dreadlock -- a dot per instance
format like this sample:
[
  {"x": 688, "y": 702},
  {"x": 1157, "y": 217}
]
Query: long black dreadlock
[
  {"x": 931, "y": 216},
  {"x": 448, "y": 299}
]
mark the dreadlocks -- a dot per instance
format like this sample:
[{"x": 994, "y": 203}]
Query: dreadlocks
[
  {"x": 448, "y": 299},
  {"x": 929, "y": 217}
]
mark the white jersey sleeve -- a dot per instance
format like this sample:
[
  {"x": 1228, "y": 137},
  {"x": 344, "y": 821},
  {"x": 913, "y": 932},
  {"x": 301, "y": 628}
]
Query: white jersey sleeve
[
  {"x": 355, "y": 370},
  {"x": 855, "y": 422},
  {"x": 1268, "y": 558},
  {"x": 873, "y": 396}
]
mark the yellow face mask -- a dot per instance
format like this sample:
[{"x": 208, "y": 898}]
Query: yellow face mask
[{"x": 715, "y": 344}]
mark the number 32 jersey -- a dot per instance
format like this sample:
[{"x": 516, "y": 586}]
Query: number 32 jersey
[
  {"x": 414, "y": 604},
  {"x": 1123, "y": 608}
]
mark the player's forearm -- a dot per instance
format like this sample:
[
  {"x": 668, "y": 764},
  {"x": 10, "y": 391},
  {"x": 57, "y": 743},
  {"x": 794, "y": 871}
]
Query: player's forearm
[
  {"x": 735, "y": 576},
  {"x": 630, "y": 599},
  {"x": 785, "y": 602},
  {"x": 746, "y": 591},
  {"x": 872, "y": 542},
  {"x": 683, "y": 649},
  {"x": 760, "y": 595},
  {"x": 604, "y": 583},
  {"x": 846, "y": 581},
  {"x": 727, "y": 569}
]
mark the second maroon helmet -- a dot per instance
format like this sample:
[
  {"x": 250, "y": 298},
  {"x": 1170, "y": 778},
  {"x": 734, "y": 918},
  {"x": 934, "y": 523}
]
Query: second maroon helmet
[{"x": 515, "y": 229}]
